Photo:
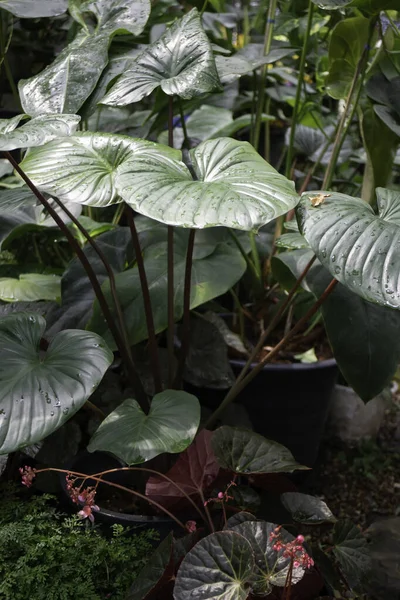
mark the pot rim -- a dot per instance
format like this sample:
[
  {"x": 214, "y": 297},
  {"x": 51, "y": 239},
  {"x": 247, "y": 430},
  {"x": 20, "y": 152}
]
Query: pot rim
[{"x": 321, "y": 364}]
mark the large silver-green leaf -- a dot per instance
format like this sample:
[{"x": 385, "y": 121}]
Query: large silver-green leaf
[
  {"x": 33, "y": 9},
  {"x": 215, "y": 270},
  {"x": 135, "y": 437},
  {"x": 244, "y": 451},
  {"x": 36, "y": 132},
  {"x": 235, "y": 188},
  {"x": 83, "y": 168},
  {"x": 63, "y": 86},
  {"x": 219, "y": 567},
  {"x": 358, "y": 247},
  {"x": 39, "y": 390},
  {"x": 181, "y": 61},
  {"x": 365, "y": 337},
  {"x": 30, "y": 287},
  {"x": 115, "y": 15}
]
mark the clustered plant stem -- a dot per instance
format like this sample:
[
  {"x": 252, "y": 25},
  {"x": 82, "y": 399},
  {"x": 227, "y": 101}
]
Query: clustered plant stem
[{"x": 123, "y": 347}]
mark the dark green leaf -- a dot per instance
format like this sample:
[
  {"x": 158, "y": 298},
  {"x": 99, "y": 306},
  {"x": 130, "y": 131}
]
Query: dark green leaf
[
  {"x": 30, "y": 287},
  {"x": 352, "y": 552},
  {"x": 244, "y": 451},
  {"x": 219, "y": 566},
  {"x": 154, "y": 571},
  {"x": 135, "y": 437},
  {"x": 307, "y": 509},
  {"x": 39, "y": 392},
  {"x": 238, "y": 518},
  {"x": 371, "y": 6}
]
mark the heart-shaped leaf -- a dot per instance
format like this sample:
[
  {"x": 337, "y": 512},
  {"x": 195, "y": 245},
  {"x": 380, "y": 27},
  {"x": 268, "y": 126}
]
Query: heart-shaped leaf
[
  {"x": 158, "y": 566},
  {"x": 235, "y": 188},
  {"x": 39, "y": 392},
  {"x": 34, "y": 9},
  {"x": 83, "y": 168},
  {"x": 30, "y": 287},
  {"x": 219, "y": 566},
  {"x": 114, "y": 16},
  {"x": 135, "y": 437},
  {"x": 244, "y": 451},
  {"x": 307, "y": 509},
  {"x": 212, "y": 275},
  {"x": 364, "y": 336},
  {"x": 36, "y": 132},
  {"x": 358, "y": 247},
  {"x": 194, "y": 472},
  {"x": 181, "y": 61},
  {"x": 352, "y": 552},
  {"x": 271, "y": 567}
]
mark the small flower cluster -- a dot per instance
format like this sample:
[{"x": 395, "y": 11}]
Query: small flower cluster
[
  {"x": 221, "y": 496},
  {"x": 85, "y": 497},
  {"x": 293, "y": 550},
  {"x": 27, "y": 475}
]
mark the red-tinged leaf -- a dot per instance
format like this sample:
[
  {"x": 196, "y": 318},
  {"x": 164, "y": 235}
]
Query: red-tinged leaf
[{"x": 195, "y": 471}]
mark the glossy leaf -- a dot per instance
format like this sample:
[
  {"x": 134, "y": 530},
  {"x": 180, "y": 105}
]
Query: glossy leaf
[
  {"x": 30, "y": 287},
  {"x": 194, "y": 472},
  {"x": 38, "y": 131},
  {"x": 358, "y": 247},
  {"x": 83, "y": 168},
  {"x": 181, "y": 62},
  {"x": 153, "y": 573},
  {"x": 112, "y": 16},
  {"x": 312, "y": 142},
  {"x": 63, "y": 86},
  {"x": 135, "y": 437},
  {"x": 34, "y": 9},
  {"x": 352, "y": 552},
  {"x": 364, "y": 336},
  {"x": 292, "y": 241},
  {"x": 244, "y": 451},
  {"x": 271, "y": 567},
  {"x": 219, "y": 566},
  {"x": 235, "y": 188},
  {"x": 40, "y": 391},
  {"x": 232, "y": 67},
  {"x": 307, "y": 509},
  {"x": 238, "y": 518},
  {"x": 213, "y": 274}
]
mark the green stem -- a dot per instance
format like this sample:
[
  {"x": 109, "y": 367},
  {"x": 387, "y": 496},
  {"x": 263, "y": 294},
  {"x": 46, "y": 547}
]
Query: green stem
[
  {"x": 170, "y": 269},
  {"x": 269, "y": 29},
  {"x": 185, "y": 133},
  {"x": 289, "y": 155},
  {"x": 251, "y": 266},
  {"x": 118, "y": 214},
  {"x": 345, "y": 122},
  {"x": 239, "y": 386}
]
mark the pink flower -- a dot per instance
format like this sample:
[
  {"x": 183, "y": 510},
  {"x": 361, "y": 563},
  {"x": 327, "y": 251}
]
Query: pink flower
[
  {"x": 191, "y": 526},
  {"x": 86, "y": 512},
  {"x": 293, "y": 550},
  {"x": 27, "y": 475}
]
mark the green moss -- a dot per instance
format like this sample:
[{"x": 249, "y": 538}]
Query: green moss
[{"x": 45, "y": 555}]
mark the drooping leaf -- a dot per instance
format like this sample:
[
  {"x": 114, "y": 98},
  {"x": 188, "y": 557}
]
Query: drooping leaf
[
  {"x": 235, "y": 188},
  {"x": 34, "y": 9},
  {"x": 271, "y": 567},
  {"x": 244, "y": 451},
  {"x": 232, "y": 67},
  {"x": 37, "y": 131},
  {"x": 40, "y": 391},
  {"x": 219, "y": 566},
  {"x": 181, "y": 62},
  {"x": 307, "y": 509},
  {"x": 135, "y": 437},
  {"x": 213, "y": 274},
  {"x": 194, "y": 472},
  {"x": 352, "y": 552},
  {"x": 63, "y": 86},
  {"x": 364, "y": 336},
  {"x": 30, "y": 287},
  {"x": 157, "y": 567},
  {"x": 112, "y": 16},
  {"x": 83, "y": 168},
  {"x": 358, "y": 247}
]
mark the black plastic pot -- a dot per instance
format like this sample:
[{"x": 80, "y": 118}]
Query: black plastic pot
[
  {"x": 90, "y": 463},
  {"x": 287, "y": 403}
]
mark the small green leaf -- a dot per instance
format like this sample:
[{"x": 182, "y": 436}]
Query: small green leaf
[
  {"x": 34, "y": 9},
  {"x": 235, "y": 187},
  {"x": 41, "y": 391},
  {"x": 181, "y": 62},
  {"x": 30, "y": 287},
  {"x": 37, "y": 132},
  {"x": 135, "y": 437},
  {"x": 219, "y": 566},
  {"x": 291, "y": 241},
  {"x": 244, "y": 451},
  {"x": 307, "y": 509}
]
